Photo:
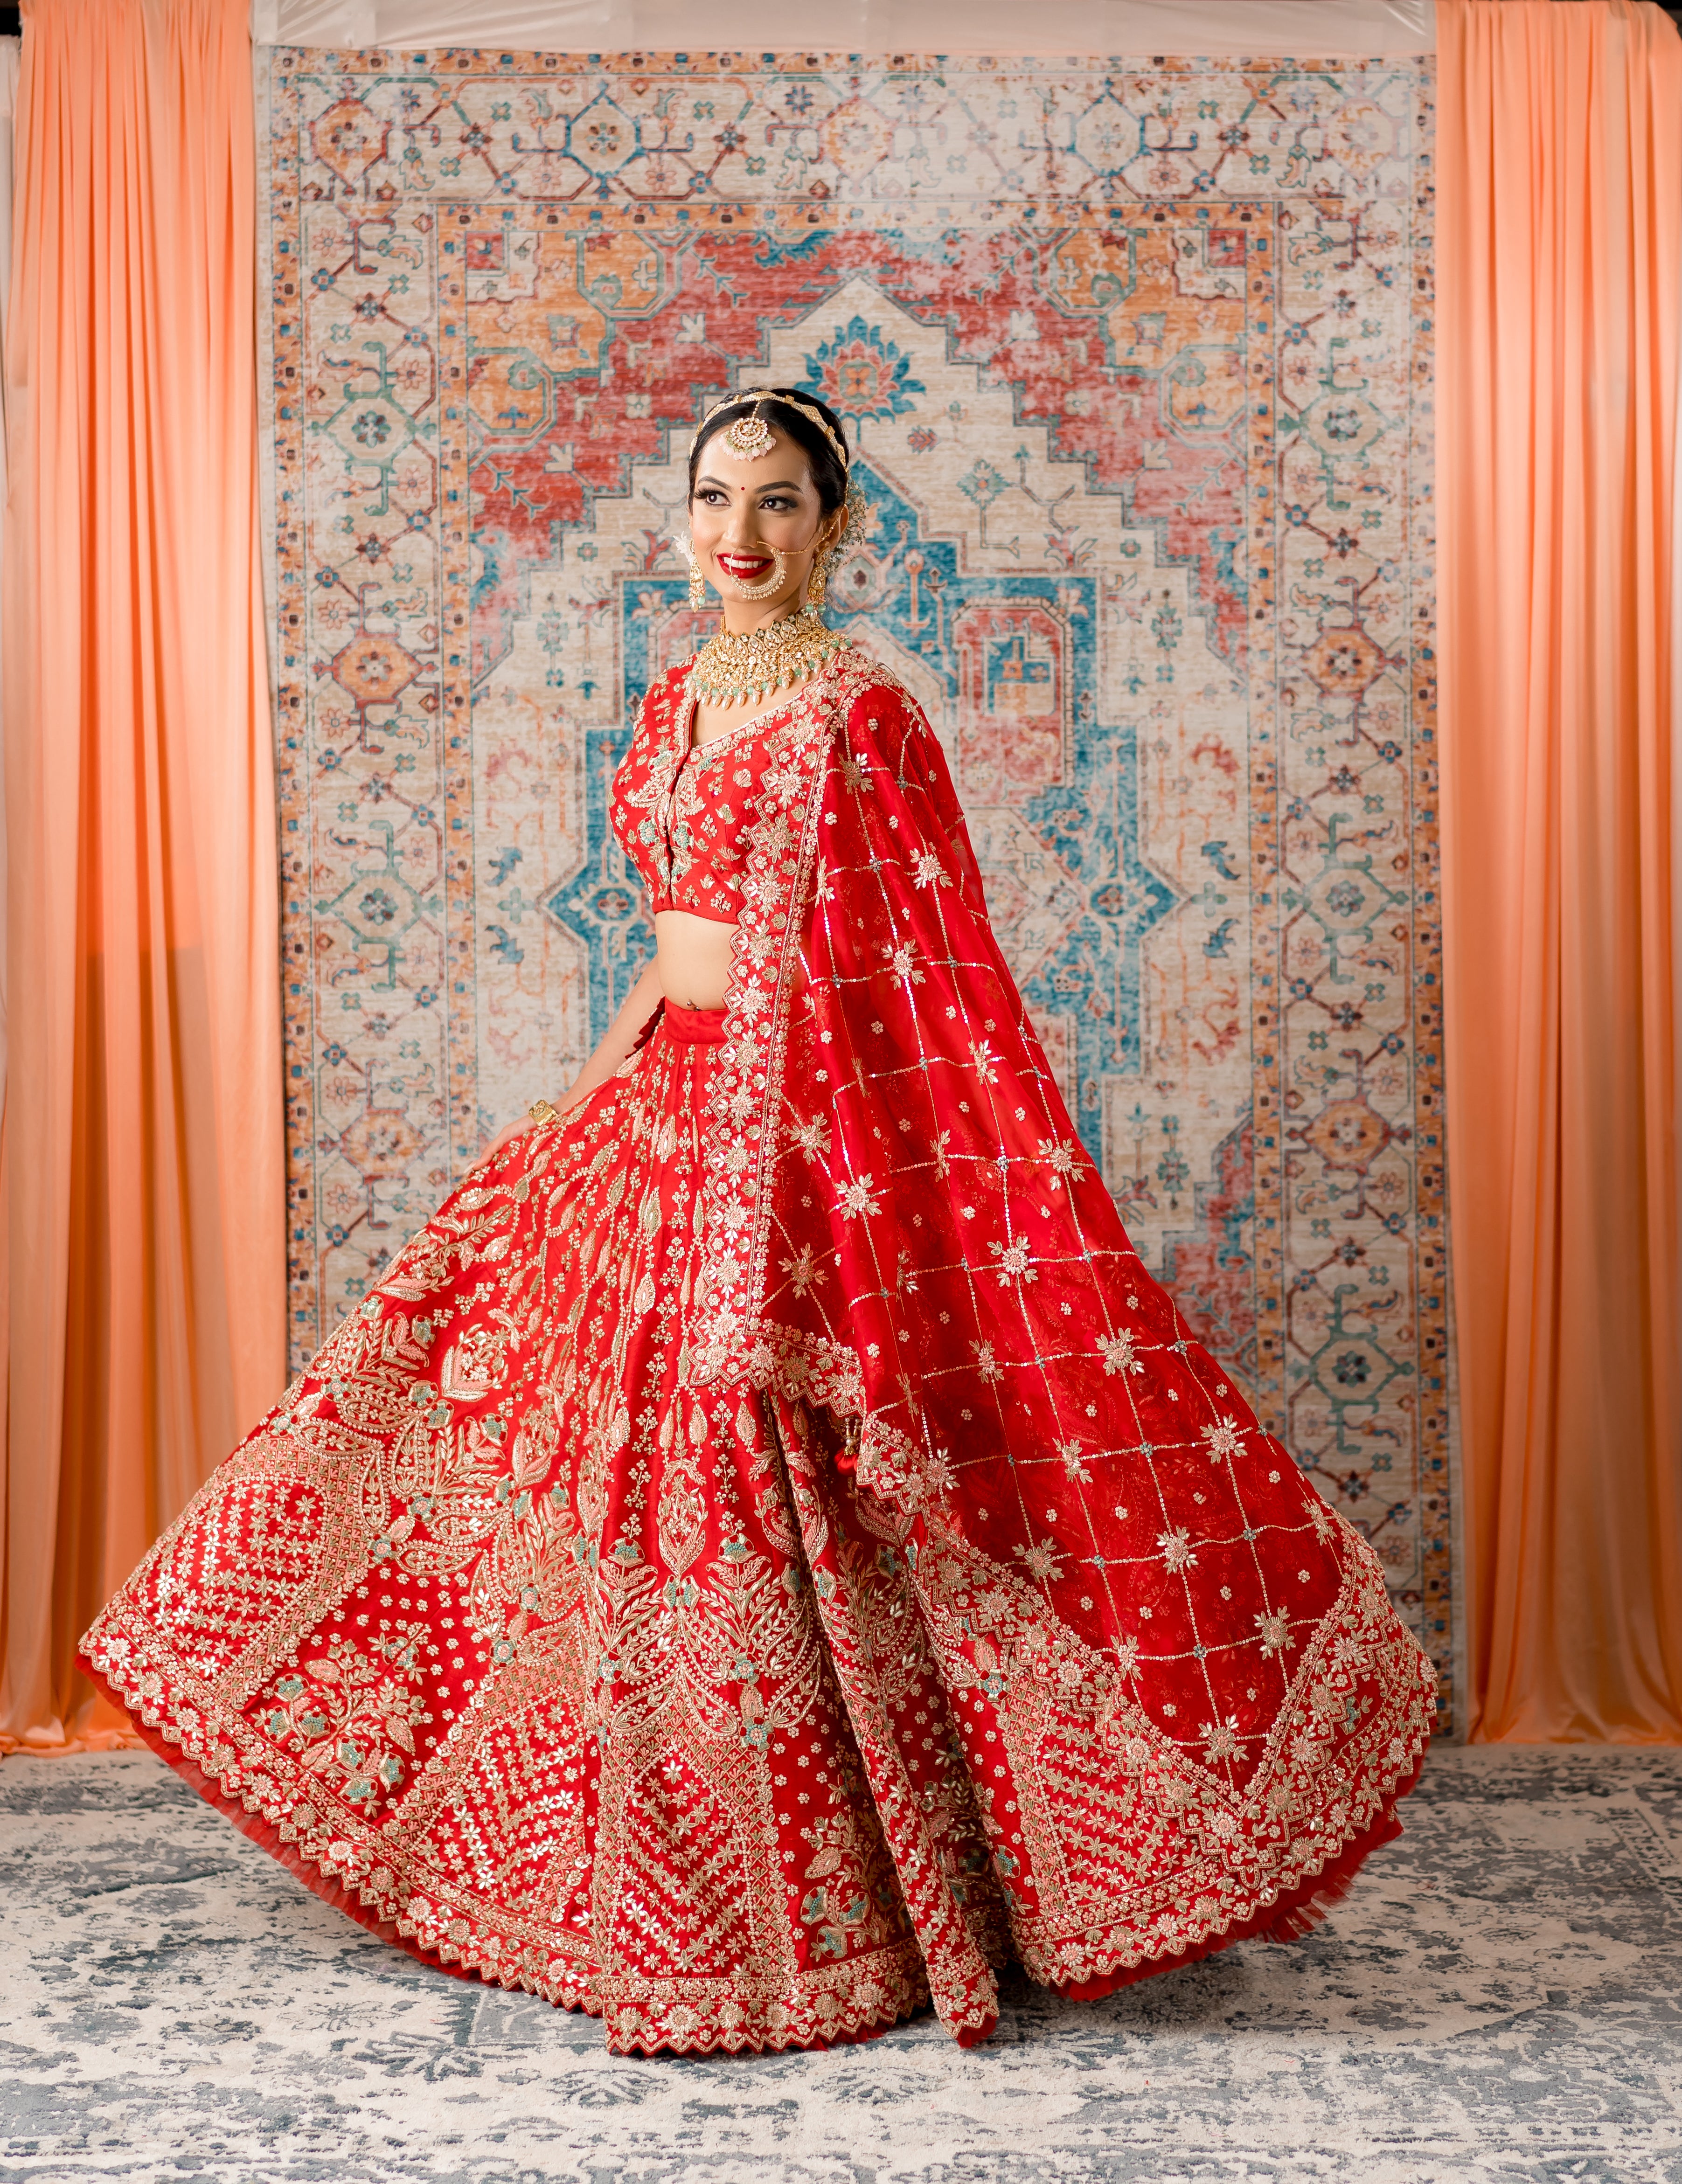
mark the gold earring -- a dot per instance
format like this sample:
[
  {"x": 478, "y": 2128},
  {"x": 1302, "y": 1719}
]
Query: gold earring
[
  {"x": 698, "y": 589},
  {"x": 817, "y": 582}
]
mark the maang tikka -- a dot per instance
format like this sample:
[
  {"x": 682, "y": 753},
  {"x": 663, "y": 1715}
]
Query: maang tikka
[{"x": 749, "y": 438}]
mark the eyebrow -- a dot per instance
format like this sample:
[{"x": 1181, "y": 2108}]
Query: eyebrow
[{"x": 777, "y": 484}]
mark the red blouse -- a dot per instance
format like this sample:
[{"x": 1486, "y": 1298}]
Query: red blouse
[{"x": 682, "y": 814}]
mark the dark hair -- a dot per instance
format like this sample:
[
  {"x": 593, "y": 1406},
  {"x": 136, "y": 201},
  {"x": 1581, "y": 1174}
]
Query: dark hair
[{"x": 829, "y": 472}]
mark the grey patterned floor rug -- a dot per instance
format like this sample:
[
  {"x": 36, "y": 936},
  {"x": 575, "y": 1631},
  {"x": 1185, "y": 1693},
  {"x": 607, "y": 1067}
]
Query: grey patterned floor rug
[{"x": 1501, "y": 1997}]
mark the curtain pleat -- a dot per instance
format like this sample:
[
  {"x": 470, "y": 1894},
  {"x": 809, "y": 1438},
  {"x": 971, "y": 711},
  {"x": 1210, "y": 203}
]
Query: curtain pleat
[
  {"x": 143, "y": 1146},
  {"x": 1560, "y": 288}
]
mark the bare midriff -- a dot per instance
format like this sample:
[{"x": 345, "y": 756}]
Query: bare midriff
[{"x": 692, "y": 955}]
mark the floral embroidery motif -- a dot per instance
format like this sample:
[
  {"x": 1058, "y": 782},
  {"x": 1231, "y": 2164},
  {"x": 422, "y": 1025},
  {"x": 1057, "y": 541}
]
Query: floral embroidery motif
[
  {"x": 351, "y": 1717},
  {"x": 684, "y": 814}
]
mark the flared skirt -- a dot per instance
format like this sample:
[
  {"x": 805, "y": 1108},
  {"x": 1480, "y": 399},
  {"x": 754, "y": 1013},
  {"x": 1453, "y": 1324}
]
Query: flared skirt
[{"x": 565, "y": 1672}]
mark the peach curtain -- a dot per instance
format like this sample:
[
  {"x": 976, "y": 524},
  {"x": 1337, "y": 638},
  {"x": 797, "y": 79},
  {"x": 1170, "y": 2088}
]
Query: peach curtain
[
  {"x": 143, "y": 1143},
  {"x": 1560, "y": 288}
]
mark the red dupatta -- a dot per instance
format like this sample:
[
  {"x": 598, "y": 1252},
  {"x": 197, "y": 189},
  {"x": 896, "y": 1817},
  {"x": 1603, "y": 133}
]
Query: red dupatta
[{"x": 904, "y": 1231}]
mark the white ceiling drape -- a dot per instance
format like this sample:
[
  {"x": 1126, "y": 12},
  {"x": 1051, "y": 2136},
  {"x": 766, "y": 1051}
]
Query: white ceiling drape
[{"x": 1307, "y": 28}]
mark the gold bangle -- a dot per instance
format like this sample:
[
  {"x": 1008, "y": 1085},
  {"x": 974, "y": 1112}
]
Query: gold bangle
[{"x": 544, "y": 1111}]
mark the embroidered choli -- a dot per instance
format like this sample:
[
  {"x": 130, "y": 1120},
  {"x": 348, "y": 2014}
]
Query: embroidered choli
[{"x": 683, "y": 814}]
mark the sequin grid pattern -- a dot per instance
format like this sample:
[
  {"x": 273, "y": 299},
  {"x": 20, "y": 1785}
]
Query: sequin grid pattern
[{"x": 1136, "y": 357}]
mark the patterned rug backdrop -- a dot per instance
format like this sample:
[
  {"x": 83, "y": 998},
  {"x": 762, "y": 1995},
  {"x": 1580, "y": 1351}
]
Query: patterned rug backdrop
[{"x": 1138, "y": 359}]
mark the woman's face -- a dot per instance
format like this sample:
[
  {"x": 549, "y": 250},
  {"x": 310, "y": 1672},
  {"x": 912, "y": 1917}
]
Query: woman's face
[{"x": 743, "y": 515}]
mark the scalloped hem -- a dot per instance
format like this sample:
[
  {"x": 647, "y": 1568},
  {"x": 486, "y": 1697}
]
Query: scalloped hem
[
  {"x": 870, "y": 2024},
  {"x": 871, "y": 2021},
  {"x": 268, "y": 1837},
  {"x": 1297, "y": 1913}
]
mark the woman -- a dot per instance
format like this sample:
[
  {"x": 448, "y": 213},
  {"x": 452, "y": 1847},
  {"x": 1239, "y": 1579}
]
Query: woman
[{"x": 768, "y": 1554}]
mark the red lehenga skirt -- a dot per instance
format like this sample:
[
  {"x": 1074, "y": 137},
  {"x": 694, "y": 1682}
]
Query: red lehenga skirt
[{"x": 551, "y": 1666}]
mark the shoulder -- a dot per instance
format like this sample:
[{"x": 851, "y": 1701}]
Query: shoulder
[
  {"x": 665, "y": 693},
  {"x": 885, "y": 730},
  {"x": 856, "y": 681},
  {"x": 651, "y": 731},
  {"x": 872, "y": 710}
]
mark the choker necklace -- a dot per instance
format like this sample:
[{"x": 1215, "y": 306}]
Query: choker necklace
[{"x": 732, "y": 669}]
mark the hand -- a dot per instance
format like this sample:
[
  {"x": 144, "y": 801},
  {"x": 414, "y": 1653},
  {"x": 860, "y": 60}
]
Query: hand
[
  {"x": 518, "y": 1129},
  {"x": 506, "y": 1136}
]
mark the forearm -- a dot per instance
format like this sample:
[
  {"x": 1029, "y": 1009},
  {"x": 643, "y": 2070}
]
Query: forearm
[{"x": 640, "y": 1003}]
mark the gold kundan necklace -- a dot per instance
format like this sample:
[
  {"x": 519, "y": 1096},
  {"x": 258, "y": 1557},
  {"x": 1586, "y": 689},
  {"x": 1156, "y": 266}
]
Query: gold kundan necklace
[{"x": 744, "y": 668}]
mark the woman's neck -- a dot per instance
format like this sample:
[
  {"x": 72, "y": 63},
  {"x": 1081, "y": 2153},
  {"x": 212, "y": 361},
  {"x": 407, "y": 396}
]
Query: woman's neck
[{"x": 741, "y": 617}]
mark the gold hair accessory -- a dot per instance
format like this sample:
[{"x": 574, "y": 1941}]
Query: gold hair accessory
[
  {"x": 769, "y": 394},
  {"x": 749, "y": 438},
  {"x": 542, "y": 1111},
  {"x": 744, "y": 668}
]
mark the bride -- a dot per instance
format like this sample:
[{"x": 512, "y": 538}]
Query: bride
[{"x": 768, "y": 1554}]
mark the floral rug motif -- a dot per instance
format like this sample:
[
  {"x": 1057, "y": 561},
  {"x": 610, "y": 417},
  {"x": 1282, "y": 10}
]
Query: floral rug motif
[{"x": 1137, "y": 359}]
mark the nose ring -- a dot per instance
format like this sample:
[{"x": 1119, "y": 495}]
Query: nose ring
[{"x": 773, "y": 582}]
